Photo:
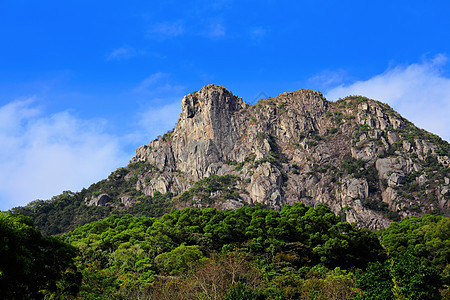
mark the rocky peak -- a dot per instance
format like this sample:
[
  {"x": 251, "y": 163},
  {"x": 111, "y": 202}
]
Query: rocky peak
[
  {"x": 356, "y": 155},
  {"x": 309, "y": 99},
  {"x": 208, "y": 114},
  {"x": 213, "y": 98}
]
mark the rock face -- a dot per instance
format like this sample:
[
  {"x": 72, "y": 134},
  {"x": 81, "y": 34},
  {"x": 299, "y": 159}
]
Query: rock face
[
  {"x": 357, "y": 155},
  {"x": 127, "y": 201},
  {"x": 101, "y": 200}
]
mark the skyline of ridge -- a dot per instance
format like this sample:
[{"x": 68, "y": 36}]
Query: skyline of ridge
[{"x": 84, "y": 84}]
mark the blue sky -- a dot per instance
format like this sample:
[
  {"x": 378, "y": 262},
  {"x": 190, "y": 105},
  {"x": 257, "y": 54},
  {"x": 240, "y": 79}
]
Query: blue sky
[{"x": 84, "y": 83}]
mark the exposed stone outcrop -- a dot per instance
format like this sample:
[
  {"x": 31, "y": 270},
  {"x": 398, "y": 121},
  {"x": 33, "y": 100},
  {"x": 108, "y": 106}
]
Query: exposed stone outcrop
[
  {"x": 127, "y": 200},
  {"x": 291, "y": 148},
  {"x": 265, "y": 185},
  {"x": 100, "y": 200}
]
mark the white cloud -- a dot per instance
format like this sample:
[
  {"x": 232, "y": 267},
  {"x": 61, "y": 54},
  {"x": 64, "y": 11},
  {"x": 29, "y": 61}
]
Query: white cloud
[
  {"x": 120, "y": 53},
  {"x": 158, "y": 120},
  {"x": 124, "y": 52},
  {"x": 420, "y": 92},
  {"x": 151, "y": 81},
  {"x": 328, "y": 78},
  {"x": 196, "y": 25},
  {"x": 159, "y": 85},
  {"x": 215, "y": 30},
  {"x": 41, "y": 156},
  {"x": 160, "y": 109}
]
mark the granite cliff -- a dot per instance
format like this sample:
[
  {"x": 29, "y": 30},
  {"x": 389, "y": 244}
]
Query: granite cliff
[
  {"x": 360, "y": 157},
  {"x": 357, "y": 155}
]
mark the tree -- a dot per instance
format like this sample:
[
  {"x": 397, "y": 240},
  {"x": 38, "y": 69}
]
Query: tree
[
  {"x": 179, "y": 260},
  {"x": 376, "y": 282},
  {"x": 414, "y": 278},
  {"x": 31, "y": 266}
]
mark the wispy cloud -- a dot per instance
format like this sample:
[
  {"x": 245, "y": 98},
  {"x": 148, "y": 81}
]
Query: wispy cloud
[
  {"x": 117, "y": 54},
  {"x": 257, "y": 34},
  {"x": 159, "y": 85},
  {"x": 167, "y": 29},
  {"x": 160, "y": 106},
  {"x": 124, "y": 52},
  {"x": 156, "y": 121},
  {"x": 41, "y": 156},
  {"x": 215, "y": 30},
  {"x": 193, "y": 26},
  {"x": 419, "y": 91},
  {"x": 328, "y": 79}
]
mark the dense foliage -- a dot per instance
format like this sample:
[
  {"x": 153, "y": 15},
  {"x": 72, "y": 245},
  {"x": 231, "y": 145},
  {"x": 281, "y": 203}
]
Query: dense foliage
[
  {"x": 33, "y": 267},
  {"x": 62, "y": 213},
  {"x": 300, "y": 252},
  {"x": 68, "y": 211},
  {"x": 253, "y": 253},
  {"x": 204, "y": 188}
]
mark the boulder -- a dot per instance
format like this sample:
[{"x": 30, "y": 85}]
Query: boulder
[{"x": 100, "y": 200}]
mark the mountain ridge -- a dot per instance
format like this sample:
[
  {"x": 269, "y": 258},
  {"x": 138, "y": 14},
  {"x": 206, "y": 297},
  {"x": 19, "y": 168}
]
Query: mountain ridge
[
  {"x": 360, "y": 157},
  {"x": 300, "y": 128}
]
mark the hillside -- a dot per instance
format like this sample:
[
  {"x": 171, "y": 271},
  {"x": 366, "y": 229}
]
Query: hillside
[
  {"x": 356, "y": 155},
  {"x": 300, "y": 252}
]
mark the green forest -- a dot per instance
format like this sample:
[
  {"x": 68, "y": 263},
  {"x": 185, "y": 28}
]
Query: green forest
[{"x": 300, "y": 252}]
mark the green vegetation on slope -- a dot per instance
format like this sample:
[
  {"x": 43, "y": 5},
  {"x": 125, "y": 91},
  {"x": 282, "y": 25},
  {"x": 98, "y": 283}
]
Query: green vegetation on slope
[
  {"x": 298, "y": 253},
  {"x": 33, "y": 267},
  {"x": 204, "y": 188},
  {"x": 69, "y": 210}
]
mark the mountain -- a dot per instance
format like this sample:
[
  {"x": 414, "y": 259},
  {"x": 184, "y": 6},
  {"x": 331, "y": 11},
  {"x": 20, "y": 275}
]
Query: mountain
[{"x": 358, "y": 156}]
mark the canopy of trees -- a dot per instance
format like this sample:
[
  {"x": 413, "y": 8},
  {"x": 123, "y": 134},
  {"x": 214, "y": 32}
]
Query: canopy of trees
[
  {"x": 300, "y": 252},
  {"x": 33, "y": 267}
]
